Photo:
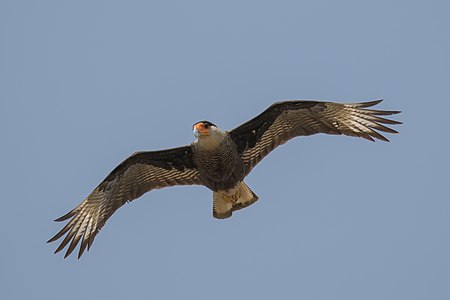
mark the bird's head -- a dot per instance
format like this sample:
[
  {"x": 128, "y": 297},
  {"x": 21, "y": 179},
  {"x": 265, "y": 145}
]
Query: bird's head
[
  {"x": 208, "y": 135},
  {"x": 203, "y": 128}
]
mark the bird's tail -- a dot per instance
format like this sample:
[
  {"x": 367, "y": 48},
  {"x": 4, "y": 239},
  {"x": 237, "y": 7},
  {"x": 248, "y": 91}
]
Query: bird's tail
[{"x": 224, "y": 204}]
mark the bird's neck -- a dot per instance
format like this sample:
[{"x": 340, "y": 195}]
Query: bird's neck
[{"x": 210, "y": 142}]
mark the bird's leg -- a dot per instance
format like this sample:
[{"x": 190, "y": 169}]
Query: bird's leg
[{"x": 233, "y": 198}]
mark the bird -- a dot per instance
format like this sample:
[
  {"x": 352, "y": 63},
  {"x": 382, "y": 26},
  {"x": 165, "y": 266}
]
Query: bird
[{"x": 218, "y": 160}]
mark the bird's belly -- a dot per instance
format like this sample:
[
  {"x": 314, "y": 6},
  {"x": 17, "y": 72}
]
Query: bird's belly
[
  {"x": 223, "y": 178},
  {"x": 220, "y": 169}
]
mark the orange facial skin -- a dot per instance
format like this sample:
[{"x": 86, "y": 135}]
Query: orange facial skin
[{"x": 201, "y": 128}]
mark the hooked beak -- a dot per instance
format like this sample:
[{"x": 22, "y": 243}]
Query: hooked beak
[{"x": 200, "y": 130}]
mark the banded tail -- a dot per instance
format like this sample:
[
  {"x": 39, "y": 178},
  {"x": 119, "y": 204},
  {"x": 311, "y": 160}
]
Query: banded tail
[{"x": 224, "y": 204}]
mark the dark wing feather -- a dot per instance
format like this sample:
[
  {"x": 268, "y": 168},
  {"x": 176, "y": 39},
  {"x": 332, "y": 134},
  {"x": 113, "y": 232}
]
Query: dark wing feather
[
  {"x": 285, "y": 120},
  {"x": 138, "y": 174}
]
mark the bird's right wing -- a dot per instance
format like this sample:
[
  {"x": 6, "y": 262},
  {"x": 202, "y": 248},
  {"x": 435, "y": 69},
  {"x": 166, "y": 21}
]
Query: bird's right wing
[
  {"x": 283, "y": 121},
  {"x": 138, "y": 174}
]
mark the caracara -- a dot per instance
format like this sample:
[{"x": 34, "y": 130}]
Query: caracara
[{"x": 219, "y": 160}]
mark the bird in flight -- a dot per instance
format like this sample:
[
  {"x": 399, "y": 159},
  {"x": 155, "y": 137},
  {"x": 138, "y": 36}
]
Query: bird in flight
[{"x": 218, "y": 160}]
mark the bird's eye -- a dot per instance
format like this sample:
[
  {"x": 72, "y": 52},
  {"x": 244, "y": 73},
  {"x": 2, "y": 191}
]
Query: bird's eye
[{"x": 206, "y": 125}]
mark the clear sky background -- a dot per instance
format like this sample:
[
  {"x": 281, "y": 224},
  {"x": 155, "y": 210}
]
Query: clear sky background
[{"x": 83, "y": 84}]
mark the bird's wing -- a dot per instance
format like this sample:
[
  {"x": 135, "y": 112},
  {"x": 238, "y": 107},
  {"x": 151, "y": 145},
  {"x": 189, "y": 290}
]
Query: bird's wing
[
  {"x": 285, "y": 120},
  {"x": 138, "y": 174}
]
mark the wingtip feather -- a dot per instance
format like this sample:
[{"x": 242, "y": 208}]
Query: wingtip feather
[
  {"x": 369, "y": 103},
  {"x": 65, "y": 217}
]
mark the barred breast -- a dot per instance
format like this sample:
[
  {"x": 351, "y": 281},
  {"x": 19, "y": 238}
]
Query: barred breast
[{"x": 220, "y": 168}]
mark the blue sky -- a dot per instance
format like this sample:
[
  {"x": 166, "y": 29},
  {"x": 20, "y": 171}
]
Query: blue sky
[{"x": 83, "y": 84}]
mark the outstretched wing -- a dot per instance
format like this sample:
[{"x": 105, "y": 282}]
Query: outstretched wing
[
  {"x": 285, "y": 120},
  {"x": 138, "y": 174}
]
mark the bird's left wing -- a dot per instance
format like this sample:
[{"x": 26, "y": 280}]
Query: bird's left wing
[
  {"x": 138, "y": 174},
  {"x": 285, "y": 120}
]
